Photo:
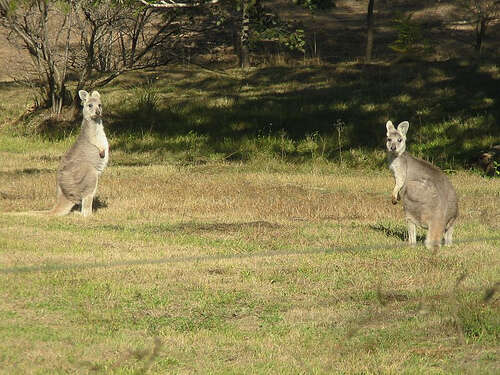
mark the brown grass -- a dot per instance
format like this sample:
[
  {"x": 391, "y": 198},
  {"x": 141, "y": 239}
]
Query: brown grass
[{"x": 379, "y": 307}]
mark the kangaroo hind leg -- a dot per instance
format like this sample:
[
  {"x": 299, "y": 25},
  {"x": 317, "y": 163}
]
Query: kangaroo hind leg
[
  {"x": 88, "y": 199},
  {"x": 448, "y": 233},
  {"x": 434, "y": 234},
  {"x": 412, "y": 232},
  {"x": 63, "y": 205}
]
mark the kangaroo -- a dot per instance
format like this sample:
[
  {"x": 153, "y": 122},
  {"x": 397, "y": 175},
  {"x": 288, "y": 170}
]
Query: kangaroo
[
  {"x": 429, "y": 199},
  {"x": 82, "y": 164}
]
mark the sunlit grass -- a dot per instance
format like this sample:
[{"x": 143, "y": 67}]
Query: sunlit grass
[{"x": 239, "y": 287}]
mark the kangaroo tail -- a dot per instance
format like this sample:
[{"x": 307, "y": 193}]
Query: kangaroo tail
[
  {"x": 62, "y": 207},
  {"x": 28, "y": 213}
]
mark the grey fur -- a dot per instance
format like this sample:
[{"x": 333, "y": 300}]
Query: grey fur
[
  {"x": 429, "y": 199},
  {"x": 81, "y": 166}
]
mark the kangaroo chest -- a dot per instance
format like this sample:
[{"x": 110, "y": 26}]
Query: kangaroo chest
[
  {"x": 102, "y": 141},
  {"x": 101, "y": 136},
  {"x": 397, "y": 166}
]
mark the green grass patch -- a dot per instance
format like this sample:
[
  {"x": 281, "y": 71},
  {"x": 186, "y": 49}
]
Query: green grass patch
[
  {"x": 297, "y": 114},
  {"x": 232, "y": 235}
]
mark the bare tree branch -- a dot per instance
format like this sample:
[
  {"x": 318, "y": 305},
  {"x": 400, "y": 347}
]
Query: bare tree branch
[{"x": 173, "y": 4}]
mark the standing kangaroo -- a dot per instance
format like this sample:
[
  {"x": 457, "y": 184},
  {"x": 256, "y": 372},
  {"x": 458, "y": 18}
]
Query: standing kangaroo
[
  {"x": 429, "y": 199},
  {"x": 81, "y": 166}
]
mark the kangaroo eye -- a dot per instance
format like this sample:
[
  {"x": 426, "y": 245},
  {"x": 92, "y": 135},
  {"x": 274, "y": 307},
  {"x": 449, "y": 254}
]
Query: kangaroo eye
[
  {"x": 399, "y": 139},
  {"x": 90, "y": 105}
]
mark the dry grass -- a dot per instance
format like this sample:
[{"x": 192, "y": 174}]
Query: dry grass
[{"x": 236, "y": 288}]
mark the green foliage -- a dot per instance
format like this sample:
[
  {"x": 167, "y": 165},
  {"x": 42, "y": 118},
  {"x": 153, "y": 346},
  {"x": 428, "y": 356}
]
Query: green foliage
[
  {"x": 292, "y": 40},
  {"x": 410, "y": 36},
  {"x": 315, "y": 4},
  {"x": 148, "y": 99},
  {"x": 296, "y": 40},
  {"x": 267, "y": 26},
  {"x": 314, "y": 144}
]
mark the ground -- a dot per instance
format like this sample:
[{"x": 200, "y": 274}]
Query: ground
[{"x": 240, "y": 268}]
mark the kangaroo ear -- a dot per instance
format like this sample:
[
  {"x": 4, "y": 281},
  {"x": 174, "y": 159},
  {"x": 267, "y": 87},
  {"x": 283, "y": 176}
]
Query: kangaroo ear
[
  {"x": 96, "y": 95},
  {"x": 403, "y": 127},
  {"x": 389, "y": 126},
  {"x": 84, "y": 95}
]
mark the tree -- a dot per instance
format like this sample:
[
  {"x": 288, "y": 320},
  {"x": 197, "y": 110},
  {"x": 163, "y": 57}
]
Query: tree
[
  {"x": 245, "y": 5},
  {"x": 48, "y": 47},
  {"x": 480, "y": 13},
  {"x": 172, "y": 4},
  {"x": 96, "y": 40},
  {"x": 248, "y": 12},
  {"x": 245, "y": 34},
  {"x": 369, "y": 32},
  {"x": 117, "y": 39}
]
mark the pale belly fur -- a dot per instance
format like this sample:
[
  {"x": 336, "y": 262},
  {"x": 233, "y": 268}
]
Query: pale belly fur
[{"x": 102, "y": 140}]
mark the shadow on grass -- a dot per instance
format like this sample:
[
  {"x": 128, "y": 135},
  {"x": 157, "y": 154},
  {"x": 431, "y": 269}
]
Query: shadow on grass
[
  {"x": 97, "y": 204},
  {"x": 451, "y": 109},
  {"x": 192, "y": 227},
  {"x": 223, "y": 227},
  {"x": 27, "y": 171},
  {"x": 395, "y": 231}
]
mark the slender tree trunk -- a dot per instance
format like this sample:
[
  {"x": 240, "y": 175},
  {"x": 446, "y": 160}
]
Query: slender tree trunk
[
  {"x": 245, "y": 30},
  {"x": 369, "y": 34},
  {"x": 480, "y": 33}
]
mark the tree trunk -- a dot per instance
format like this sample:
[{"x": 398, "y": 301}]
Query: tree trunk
[
  {"x": 480, "y": 33},
  {"x": 369, "y": 34},
  {"x": 245, "y": 30}
]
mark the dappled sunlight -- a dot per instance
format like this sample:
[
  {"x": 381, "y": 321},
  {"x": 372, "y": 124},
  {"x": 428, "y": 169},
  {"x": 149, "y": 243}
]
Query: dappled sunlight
[
  {"x": 493, "y": 70},
  {"x": 340, "y": 106},
  {"x": 301, "y": 102},
  {"x": 403, "y": 99},
  {"x": 444, "y": 92},
  {"x": 369, "y": 107},
  {"x": 232, "y": 111},
  {"x": 223, "y": 102},
  {"x": 417, "y": 83}
]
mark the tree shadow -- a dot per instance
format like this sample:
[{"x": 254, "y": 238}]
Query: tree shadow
[
  {"x": 400, "y": 232},
  {"x": 194, "y": 227},
  {"x": 26, "y": 171},
  {"x": 358, "y": 95},
  {"x": 450, "y": 107},
  {"x": 222, "y": 227}
]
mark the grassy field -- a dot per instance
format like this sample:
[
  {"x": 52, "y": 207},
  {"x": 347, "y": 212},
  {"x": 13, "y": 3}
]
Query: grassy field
[
  {"x": 262, "y": 267},
  {"x": 244, "y": 226}
]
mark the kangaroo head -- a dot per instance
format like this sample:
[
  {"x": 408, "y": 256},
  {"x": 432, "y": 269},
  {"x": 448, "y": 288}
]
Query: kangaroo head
[
  {"x": 396, "y": 138},
  {"x": 92, "y": 107}
]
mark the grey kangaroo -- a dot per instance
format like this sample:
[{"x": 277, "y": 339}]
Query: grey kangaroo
[
  {"x": 82, "y": 165},
  {"x": 429, "y": 199}
]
